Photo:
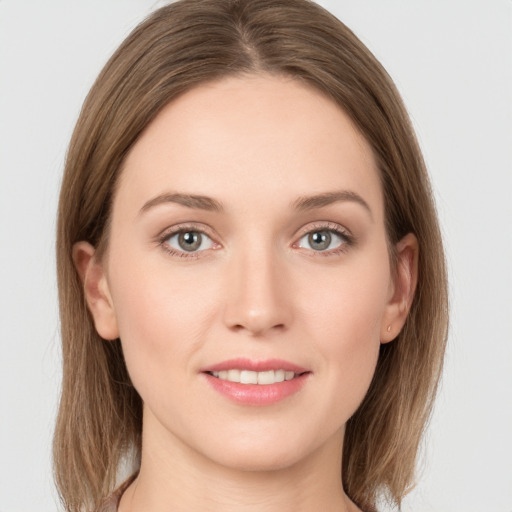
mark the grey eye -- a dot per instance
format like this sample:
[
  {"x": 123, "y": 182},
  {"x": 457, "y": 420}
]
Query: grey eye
[
  {"x": 189, "y": 241},
  {"x": 321, "y": 240}
]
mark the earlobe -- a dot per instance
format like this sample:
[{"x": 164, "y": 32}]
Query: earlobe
[
  {"x": 404, "y": 286},
  {"x": 96, "y": 290}
]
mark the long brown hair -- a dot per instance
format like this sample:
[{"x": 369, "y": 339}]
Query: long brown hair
[{"x": 178, "y": 47}]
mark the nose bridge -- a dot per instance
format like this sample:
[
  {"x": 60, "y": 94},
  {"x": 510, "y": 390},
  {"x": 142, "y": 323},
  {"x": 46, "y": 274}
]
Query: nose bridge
[{"x": 256, "y": 300}]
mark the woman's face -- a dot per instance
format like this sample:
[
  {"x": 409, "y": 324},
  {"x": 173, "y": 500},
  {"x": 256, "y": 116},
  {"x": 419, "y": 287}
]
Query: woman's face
[{"x": 248, "y": 243}]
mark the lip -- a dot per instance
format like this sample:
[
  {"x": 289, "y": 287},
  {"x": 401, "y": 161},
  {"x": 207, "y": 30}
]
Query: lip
[
  {"x": 243, "y": 363},
  {"x": 255, "y": 394}
]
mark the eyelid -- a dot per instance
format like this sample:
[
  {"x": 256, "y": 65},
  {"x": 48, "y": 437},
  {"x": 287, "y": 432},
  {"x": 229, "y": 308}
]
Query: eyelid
[
  {"x": 184, "y": 227},
  {"x": 324, "y": 225},
  {"x": 339, "y": 229},
  {"x": 348, "y": 238}
]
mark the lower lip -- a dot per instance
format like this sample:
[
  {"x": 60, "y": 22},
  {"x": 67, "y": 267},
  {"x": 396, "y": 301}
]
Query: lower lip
[{"x": 257, "y": 394}]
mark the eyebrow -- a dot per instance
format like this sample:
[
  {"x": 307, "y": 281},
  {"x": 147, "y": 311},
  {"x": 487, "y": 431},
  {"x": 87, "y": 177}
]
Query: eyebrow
[
  {"x": 303, "y": 203},
  {"x": 188, "y": 200},
  {"x": 306, "y": 203}
]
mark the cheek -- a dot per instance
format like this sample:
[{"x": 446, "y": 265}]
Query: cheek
[
  {"x": 163, "y": 317},
  {"x": 347, "y": 304},
  {"x": 345, "y": 312}
]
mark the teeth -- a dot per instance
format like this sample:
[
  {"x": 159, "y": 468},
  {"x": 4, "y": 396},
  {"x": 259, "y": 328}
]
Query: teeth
[
  {"x": 247, "y": 377},
  {"x": 250, "y": 377},
  {"x": 233, "y": 375}
]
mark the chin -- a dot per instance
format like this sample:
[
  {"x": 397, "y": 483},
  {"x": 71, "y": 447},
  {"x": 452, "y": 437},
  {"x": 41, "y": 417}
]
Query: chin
[
  {"x": 258, "y": 460},
  {"x": 260, "y": 453}
]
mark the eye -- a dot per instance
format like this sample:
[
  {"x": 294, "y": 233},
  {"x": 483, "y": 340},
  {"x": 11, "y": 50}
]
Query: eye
[
  {"x": 188, "y": 241},
  {"x": 323, "y": 240}
]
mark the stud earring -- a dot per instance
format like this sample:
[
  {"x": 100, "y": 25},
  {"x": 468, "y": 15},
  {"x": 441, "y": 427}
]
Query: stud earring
[{"x": 389, "y": 328}]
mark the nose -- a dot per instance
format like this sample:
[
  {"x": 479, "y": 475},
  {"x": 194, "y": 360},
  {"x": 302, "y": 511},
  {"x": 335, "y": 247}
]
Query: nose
[{"x": 258, "y": 300}]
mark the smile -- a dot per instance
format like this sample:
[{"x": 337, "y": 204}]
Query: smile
[
  {"x": 256, "y": 383},
  {"x": 252, "y": 377}
]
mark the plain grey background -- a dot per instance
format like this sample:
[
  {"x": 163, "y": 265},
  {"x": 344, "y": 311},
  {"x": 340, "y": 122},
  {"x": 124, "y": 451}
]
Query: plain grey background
[{"x": 452, "y": 61}]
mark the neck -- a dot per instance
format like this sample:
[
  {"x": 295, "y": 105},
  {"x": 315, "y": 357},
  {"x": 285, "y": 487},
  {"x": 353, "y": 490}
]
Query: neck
[{"x": 173, "y": 477}]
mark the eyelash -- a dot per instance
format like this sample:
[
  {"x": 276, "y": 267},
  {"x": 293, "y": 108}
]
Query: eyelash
[
  {"x": 176, "y": 230},
  {"x": 348, "y": 239}
]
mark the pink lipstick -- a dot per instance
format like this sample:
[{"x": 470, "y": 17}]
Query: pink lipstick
[{"x": 256, "y": 382}]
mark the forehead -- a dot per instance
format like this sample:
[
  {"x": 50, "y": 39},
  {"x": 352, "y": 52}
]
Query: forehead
[{"x": 250, "y": 140}]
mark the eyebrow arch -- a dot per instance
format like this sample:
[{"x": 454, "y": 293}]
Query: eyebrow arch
[
  {"x": 305, "y": 203},
  {"x": 188, "y": 200}
]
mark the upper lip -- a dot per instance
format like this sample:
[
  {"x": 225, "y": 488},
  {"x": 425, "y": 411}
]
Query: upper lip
[{"x": 255, "y": 366}]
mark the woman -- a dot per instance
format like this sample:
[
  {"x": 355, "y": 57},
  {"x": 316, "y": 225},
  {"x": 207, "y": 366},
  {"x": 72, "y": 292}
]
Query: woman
[{"x": 251, "y": 276}]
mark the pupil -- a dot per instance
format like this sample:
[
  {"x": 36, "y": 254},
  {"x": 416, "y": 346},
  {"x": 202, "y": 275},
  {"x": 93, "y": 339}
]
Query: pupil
[
  {"x": 320, "y": 240},
  {"x": 189, "y": 241}
]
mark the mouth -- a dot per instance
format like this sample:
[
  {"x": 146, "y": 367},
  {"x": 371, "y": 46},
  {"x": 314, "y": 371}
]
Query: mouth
[
  {"x": 256, "y": 383},
  {"x": 263, "y": 378}
]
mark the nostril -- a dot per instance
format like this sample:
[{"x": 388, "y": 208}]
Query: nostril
[
  {"x": 257, "y": 309},
  {"x": 258, "y": 330}
]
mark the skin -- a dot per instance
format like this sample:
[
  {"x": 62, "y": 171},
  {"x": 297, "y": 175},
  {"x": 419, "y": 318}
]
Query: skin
[{"x": 257, "y": 288}]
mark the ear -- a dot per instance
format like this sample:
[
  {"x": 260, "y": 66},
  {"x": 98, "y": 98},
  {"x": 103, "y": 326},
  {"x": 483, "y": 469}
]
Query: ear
[
  {"x": 96, "y": 290},
  {"x": 402, "y": 290}
]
